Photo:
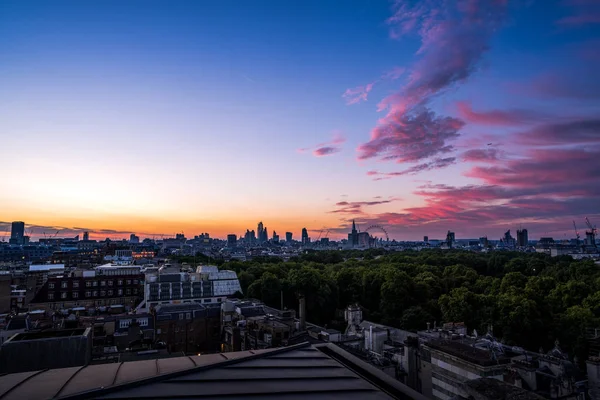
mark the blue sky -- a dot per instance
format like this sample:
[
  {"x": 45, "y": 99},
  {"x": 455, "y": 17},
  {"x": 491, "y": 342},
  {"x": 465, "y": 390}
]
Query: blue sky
[{"x": 156, "y": 115}]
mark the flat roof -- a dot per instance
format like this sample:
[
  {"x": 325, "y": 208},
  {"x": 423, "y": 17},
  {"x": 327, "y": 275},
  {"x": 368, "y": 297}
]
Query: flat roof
[
  {"x": 26, "y": 336},
  {"x": 467, "y": 352},
  {"x": 45, "y": 267}
]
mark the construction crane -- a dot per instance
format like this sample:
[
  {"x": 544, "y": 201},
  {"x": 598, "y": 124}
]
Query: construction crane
[
  {"x": 576, "y": 233},
  {"x": 589, "y": 224},
  {"x": 590, "y": 236},
  {"x": 320, "y": 233}
]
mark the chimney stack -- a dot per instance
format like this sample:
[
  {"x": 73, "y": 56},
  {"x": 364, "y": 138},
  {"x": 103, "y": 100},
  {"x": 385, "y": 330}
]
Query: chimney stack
[{"x": 302, "y": 312}]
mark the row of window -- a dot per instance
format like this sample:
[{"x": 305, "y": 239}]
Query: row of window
[
  {"x": 124, "y": 323},
  {"x": 94, "y": 293},
  {"x": 65, "y": 284}
]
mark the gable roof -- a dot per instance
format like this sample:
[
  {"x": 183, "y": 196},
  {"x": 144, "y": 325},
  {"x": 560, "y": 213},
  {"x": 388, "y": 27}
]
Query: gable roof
[{"x": 294, "y": 372}]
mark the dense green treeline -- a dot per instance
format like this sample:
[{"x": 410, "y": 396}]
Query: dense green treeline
[{"x": 530, "y": 299}]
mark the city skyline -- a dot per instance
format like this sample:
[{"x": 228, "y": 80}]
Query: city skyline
[{"x": 420, "y": 116}]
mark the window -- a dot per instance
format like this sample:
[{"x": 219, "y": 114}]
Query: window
[
  {"x": 75, "y": 284},
  {"x": 88, "y": 294},
  {"x": 51, "y": 285},
  {"x": 135, "y": 291},
  {"x": 88, "y": 284},
  {"x": 64, "y": 284},
  {"x": 75, "y": 295},
  {"x": 120, "y": 282},
  {"x": 128, "y": 291},
  {"x": 181, "y": 316},
  {"x": 128, "y": 281},
  {"x": 120, "y": 292},
  {"x": 95, "y": 293},
  {"x": 188, "y": 315},
  {"x": 143, "y": 321},
  {"x": 95, "y": 283},
  {"x": 102, "y": 283},
  {"x": 110, "y": 283},
  {"x": 50, "y": 296},
  {"x": 135, "y": 281},
  {"x": 110, "y": 292},
  {"x": 63, "y": 295},
  {"x": 124, "y": 323},
  {"x": 103, "y": 293}
]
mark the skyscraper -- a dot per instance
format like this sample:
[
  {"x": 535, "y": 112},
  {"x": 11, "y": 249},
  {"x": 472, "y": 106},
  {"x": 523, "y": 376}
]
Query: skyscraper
[
  {"x": 353, "y": 236},
  {"x": 17, "y": 232},
  {"x": 275, "y": 237},
  {"x": 231, "y": 240},
  {"x": 259, "y": 232},
  {"x": 86, "y": 236},
  {"x": 450, "y": 238},
  {"x": 288, "y": 237},
  {"x": 305, "y": 239},
  {"x": 265, "y": 237},
  {"x": 522, "y": 238}
]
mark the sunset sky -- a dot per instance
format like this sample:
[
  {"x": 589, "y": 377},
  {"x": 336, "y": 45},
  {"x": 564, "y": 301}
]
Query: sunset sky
[{"x": 158, "y": 117}]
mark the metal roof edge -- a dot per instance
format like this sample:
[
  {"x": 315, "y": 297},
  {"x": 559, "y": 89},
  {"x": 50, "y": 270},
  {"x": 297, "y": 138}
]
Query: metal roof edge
[
  {"x": 156, "y": 378},
  {"x": 368, "y": 372}
]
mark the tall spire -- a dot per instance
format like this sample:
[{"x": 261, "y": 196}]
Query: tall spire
[{"x": 353, "y": 225}]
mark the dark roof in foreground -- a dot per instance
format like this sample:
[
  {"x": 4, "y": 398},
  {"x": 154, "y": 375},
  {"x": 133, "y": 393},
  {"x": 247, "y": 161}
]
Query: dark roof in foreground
[{"x": 295, "y": 372}]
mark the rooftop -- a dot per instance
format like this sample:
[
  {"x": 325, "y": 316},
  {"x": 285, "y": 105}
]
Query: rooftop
[
  {"x": 295, "y": 372},
  {"x": 45, "y": 267},
  {"x": 467, "y": 352},
  {"x": 21, "y": 337}
]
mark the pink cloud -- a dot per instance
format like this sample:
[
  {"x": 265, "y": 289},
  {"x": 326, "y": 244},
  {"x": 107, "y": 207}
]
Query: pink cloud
[
  {"x": 358, "y": 94},
  {"x": 356, "y": 207},
  {"x": 582, "y": 131},
  {"x": 481, "y": 155},
  {"x": 582, "y": 83},
  {"x": 437, "y": 163},
  {"x": 404, "y": 137},
  {"x": 497, "y": 117},
  {"x": 454, "y": 37},
  {"x": 550, "y": 168},
  {"x": 326, "y": 148},
  {"x": 394, "y": 73},
  {"x": 326, "y": 151}
]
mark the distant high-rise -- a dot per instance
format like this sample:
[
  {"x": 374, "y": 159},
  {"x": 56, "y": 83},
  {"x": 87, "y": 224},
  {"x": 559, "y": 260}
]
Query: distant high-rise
[
  {"x": 522, "y": 238},
  {"x": 86, "y": 236},
  {"x": 17, "y": 232},
  {"x": 426, "y": 239},
  {"x": 305, "y": 239},
  {"x": 275, "y": 237},
  {"x": 483, "y": 241},
  {"x": 231, "y": 240},
  {"x": 134, "y": 239},
  {"x": 508, "y": 240},
  {"x": 265, "y": 237},
  {"x": 353, "y": 236},
  {"x": 450, "y": 238},
  {"x": 288, "y": 237},
  {"x": 259, "y": 232}
]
